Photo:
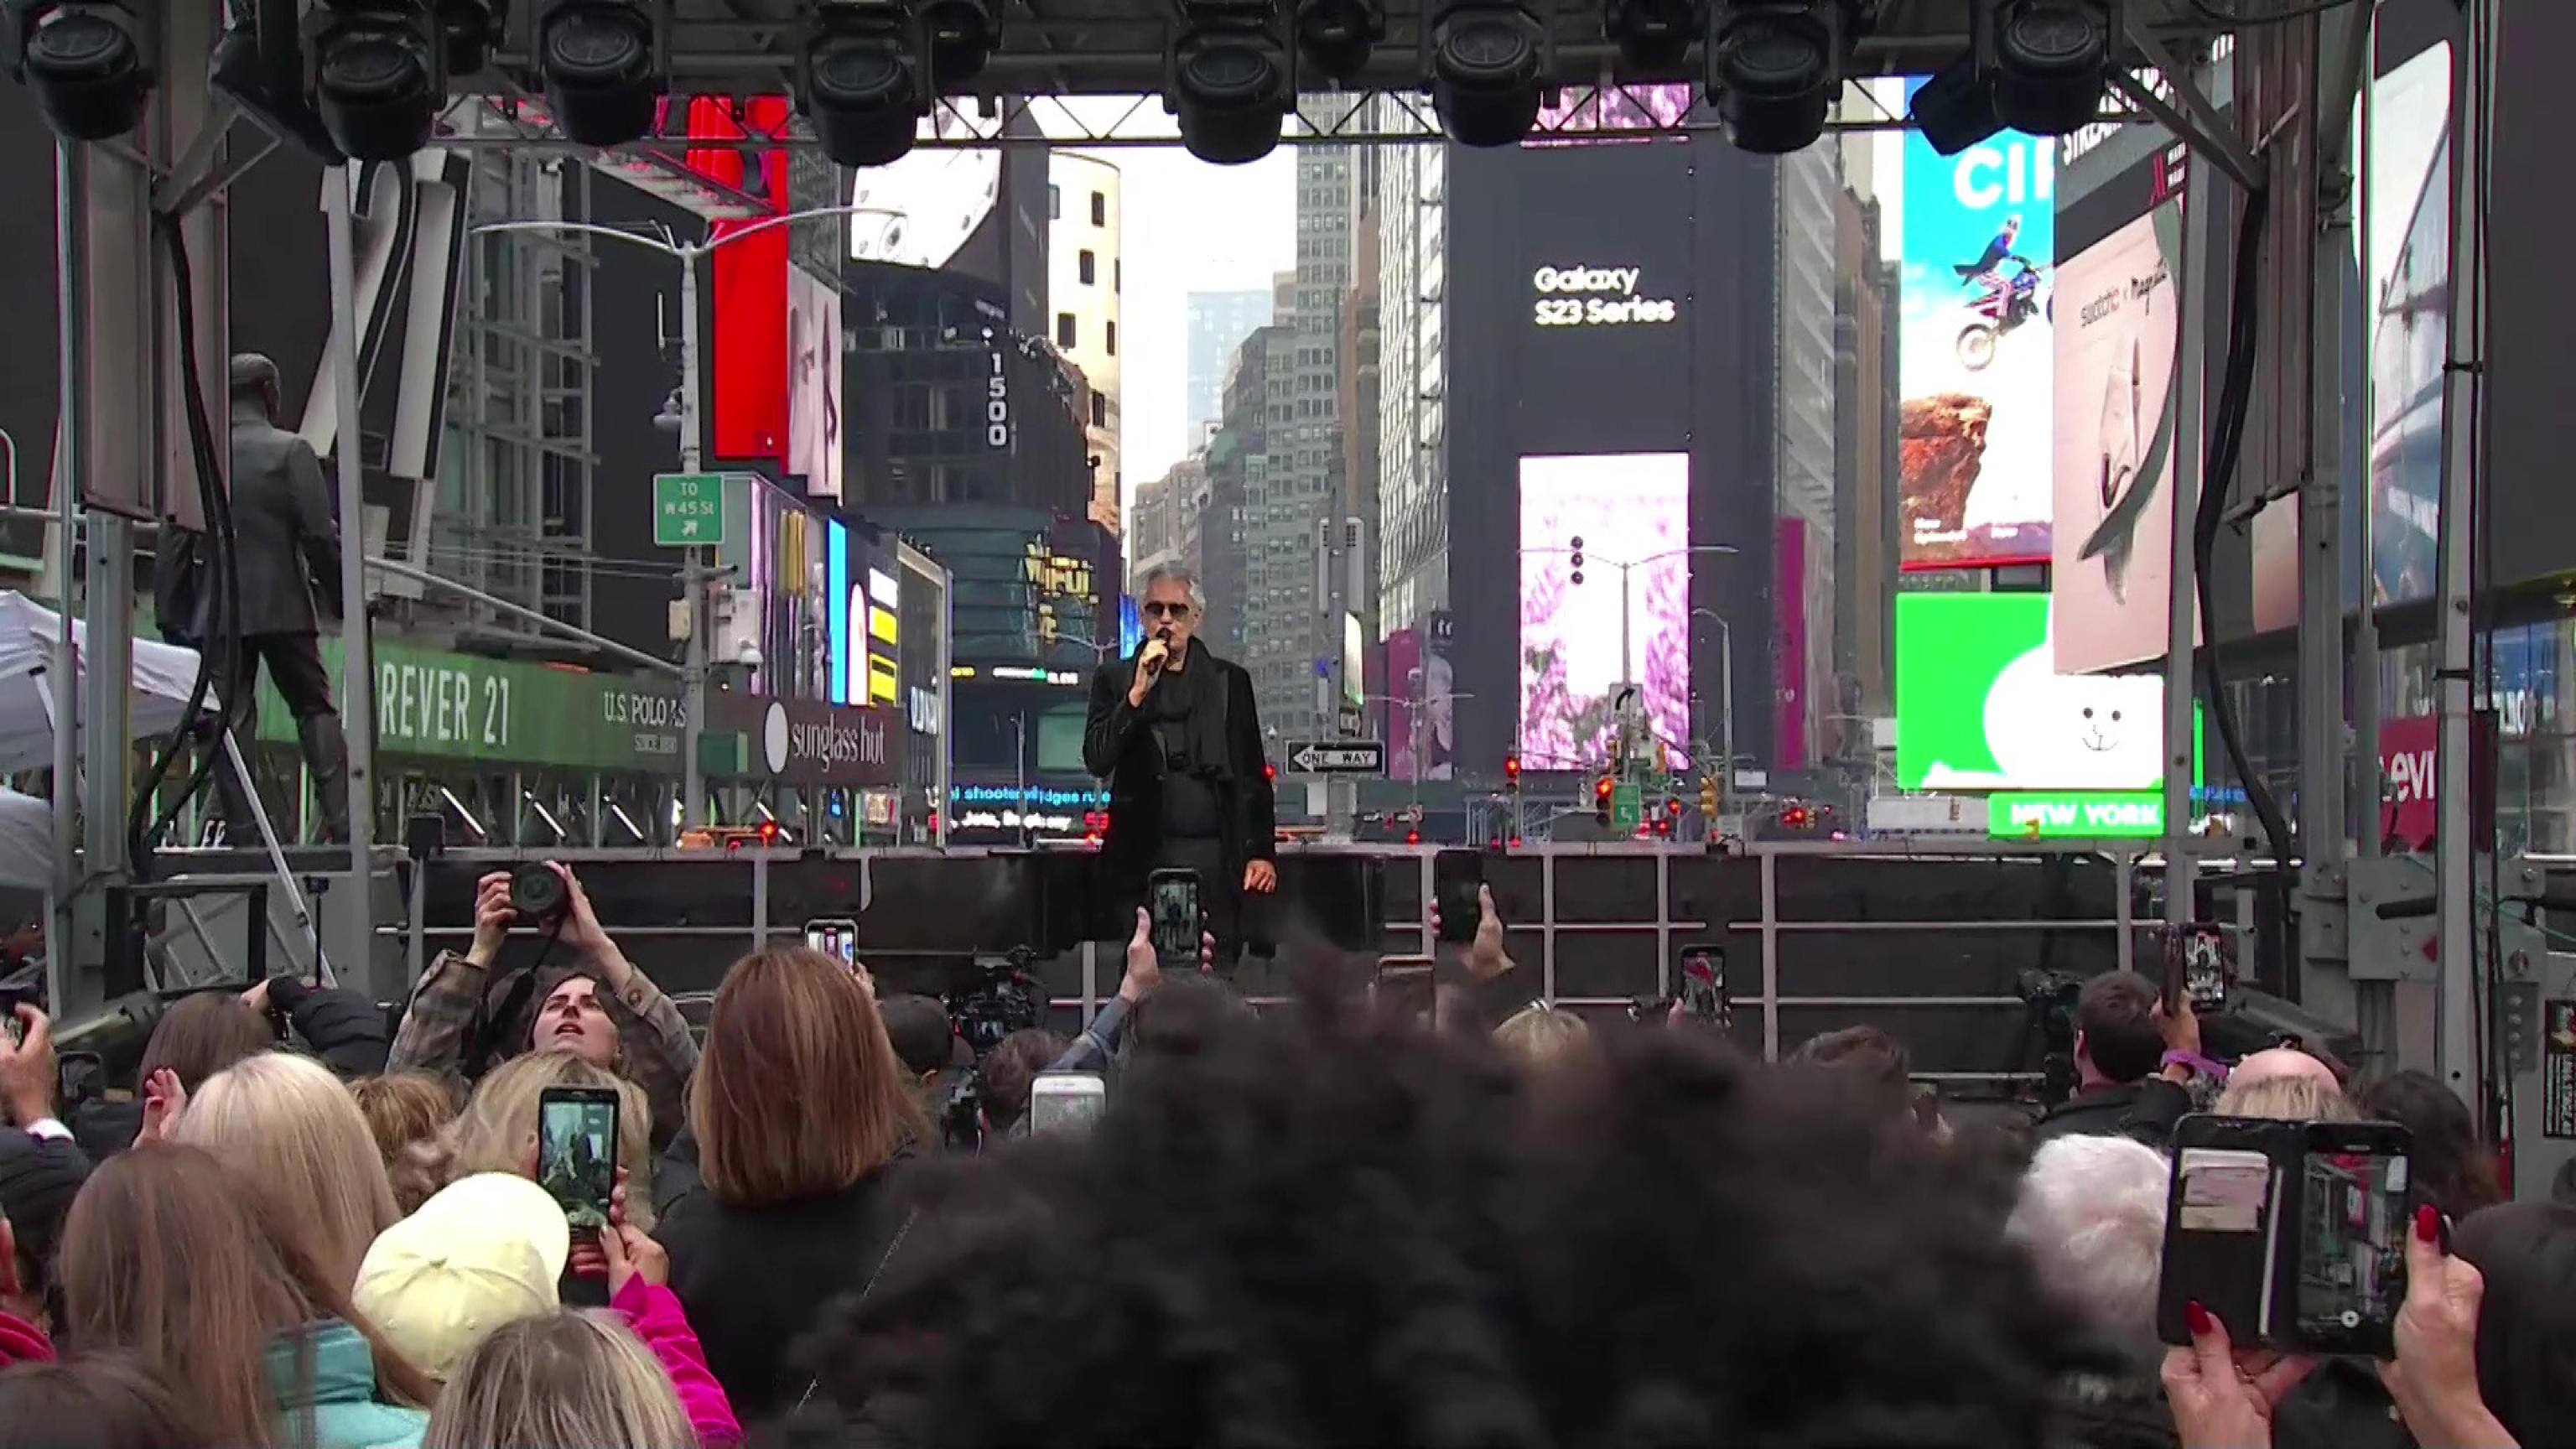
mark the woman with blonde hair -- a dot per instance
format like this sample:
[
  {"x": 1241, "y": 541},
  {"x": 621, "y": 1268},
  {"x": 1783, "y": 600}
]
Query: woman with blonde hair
[
  {"x": 497, "y": 1132},
  {"x": 300, "y": 1142},
  {"x": 566, "y": 1380},
  {"x": 170, "y": 1255},
  {"x": 403, "y": 1108},
  {"x": 798, "y": 1108}
]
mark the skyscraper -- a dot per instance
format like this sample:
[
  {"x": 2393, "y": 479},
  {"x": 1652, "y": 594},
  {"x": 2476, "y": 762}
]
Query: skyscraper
[{"x": 1219, "y": 321}]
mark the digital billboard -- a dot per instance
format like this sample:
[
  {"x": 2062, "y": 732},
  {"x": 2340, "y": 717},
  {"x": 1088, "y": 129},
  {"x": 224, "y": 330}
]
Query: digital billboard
[
  {"x": 1613, "y": 509},
  {"x": 919, "y": 209},
  {"x": 1981, "y": 706},
  {"x": 1973, "y": 364},
  {"x": 814, "y": 382},
  {"x": 2410, "y": 296},
  {"x": 2118, "y": 351}
]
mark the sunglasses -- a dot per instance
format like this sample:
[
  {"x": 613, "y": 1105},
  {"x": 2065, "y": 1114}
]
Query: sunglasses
[{"x": 1159, "y": 610}]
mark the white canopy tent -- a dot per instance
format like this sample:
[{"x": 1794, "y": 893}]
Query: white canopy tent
[
  {"x": 30, "y": 636},
  {"x": 26, "y": 842}
]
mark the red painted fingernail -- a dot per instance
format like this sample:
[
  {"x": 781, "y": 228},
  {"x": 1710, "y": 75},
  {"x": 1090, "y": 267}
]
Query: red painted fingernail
[
  {"x": 2197, "y": 1319},
  {"x": 2428, "y": 1223}
]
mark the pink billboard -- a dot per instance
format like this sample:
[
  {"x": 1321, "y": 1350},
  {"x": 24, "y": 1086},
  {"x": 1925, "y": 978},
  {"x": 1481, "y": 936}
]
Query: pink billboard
[{"x": 1403, "y": 658}]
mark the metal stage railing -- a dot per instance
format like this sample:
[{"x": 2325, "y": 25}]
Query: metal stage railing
[{"x": 1930, "y": 942}]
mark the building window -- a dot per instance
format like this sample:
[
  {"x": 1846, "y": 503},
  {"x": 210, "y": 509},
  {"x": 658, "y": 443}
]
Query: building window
[
  {"x": 1099, "y": 411},
  {"x": 1055, "y": 202},
  {"x": 1112, "y": 342},
  {"x": 1090, "y": 269},
  {"x": 1099, "y": 208},
  {"x": 1064, "y": 333}
]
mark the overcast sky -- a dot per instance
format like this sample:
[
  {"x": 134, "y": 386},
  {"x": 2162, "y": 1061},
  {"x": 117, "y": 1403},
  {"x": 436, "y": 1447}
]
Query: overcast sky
[{"x": 1186, "y": 226}]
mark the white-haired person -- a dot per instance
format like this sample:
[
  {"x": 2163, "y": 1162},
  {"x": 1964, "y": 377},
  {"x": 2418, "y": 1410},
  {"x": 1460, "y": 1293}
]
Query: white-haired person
[{"x": 2092, "y": 1214}]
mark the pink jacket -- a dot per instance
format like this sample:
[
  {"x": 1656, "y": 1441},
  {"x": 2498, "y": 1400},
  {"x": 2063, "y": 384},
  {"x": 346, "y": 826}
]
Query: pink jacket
[{"x": 657, "y": 1318}]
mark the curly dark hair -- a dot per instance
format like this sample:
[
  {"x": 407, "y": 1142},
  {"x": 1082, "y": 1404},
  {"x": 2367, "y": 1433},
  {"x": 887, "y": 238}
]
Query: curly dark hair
[
  {"x": 2453, "y": 1168},
  {"x": 1309, "y": 1229}
]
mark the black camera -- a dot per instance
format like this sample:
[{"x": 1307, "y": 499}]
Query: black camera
[
  {"x": 538, "y": 893},
  {"x": 1003, "y": 999}
]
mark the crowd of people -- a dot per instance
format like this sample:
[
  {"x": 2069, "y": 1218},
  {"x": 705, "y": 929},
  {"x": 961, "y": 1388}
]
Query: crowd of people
[{"x": 1340, "y": 1221}]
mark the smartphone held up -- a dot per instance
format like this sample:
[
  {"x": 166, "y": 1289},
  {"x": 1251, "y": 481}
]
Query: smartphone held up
[
  {"x": 2293, "y": 1234},
  {"x": 577, "y": 1152}
]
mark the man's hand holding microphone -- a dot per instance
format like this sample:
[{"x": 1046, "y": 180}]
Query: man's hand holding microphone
[{"x": 1149, "y": 667}]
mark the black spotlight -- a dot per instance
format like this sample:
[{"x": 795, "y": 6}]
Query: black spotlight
[
  {"x": 600, "y": 74},
  {"x": 1336, "y": 36},
  {"x": 469, "y": 28},
  {"x": 2052, "y": 60},
  {"x": 90, "y": 64},
  {"x": 1487, "y": 60},
  {"x": 1228, "y": 78},
  {"x": 963, "y": 35},
  {"x": 1773, "y": 67},
  {"x": 379, "y": 75},
  {"x": 1654, "y": 36},
  {"x": 1956, "y": 107},
  {"x": 861, "y": 80}
]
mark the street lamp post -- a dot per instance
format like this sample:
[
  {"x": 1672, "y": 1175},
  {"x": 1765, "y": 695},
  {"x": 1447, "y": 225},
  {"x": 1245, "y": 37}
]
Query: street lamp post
[
  {"x": 695, "y": 572},
  {"x": 1725, "y": 703},
  {"x": 1627, "y": 598}
]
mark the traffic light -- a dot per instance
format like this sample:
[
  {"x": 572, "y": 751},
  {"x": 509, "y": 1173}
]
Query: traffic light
[
  {"x": 1601, "y": 799},
  {"x": 1512, "y": 770},
  {"x": 1708, "y": 798},
  {"x": 1269, "y": 773},
  {"x": 1673, "y": 807},
  {"x": 1575, "y": 574},
  {"x": 1663, "y": 759},
  {"x": 1796, "y": 817}
]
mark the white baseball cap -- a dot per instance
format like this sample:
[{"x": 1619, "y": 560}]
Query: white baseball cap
[{"x": 486, "y": 1251}]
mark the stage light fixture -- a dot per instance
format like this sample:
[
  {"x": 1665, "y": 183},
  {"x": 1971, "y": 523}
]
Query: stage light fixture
[
  {"x": 1488, "y": 58},
  {"x": 379, "y": 74},
  {"x": 90, "y": 64},
  {"x": 2052, "y": 61},
  {"x": 1773, "y": 67},
  {"x": 1655, "y": 35},
  {"x": 1955, "y": 109},
  {"x": 468, "y": 28},
  {"x": 1229, "y": 78},
  {"x": 963, "y": 35},
  {"x": 862, "y": 80},
  {"x": 1336, "y": 36},
  {"x": 601, "y": 76}
]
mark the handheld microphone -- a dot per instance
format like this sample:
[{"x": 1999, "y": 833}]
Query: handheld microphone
[{"x": 1164, "y": 638}]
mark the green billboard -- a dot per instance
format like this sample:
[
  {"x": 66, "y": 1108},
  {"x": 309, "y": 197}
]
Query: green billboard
[
  {"x": 1980, "y": 705},
  {"x": 2079, "y": 815},
  {"x": 437, "y": 705}
]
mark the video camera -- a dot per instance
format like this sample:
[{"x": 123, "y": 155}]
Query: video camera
[{"x": 1002, "y": 998}]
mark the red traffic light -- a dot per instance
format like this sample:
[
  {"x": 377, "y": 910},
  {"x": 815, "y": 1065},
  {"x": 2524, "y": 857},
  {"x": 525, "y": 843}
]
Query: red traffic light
[
  {"x": 1413, "y": 837},
  {"x": 1796, "y": 817},
  {"x": 1512, "y": 768},
  {"x": 1672, "y": 807},
  {"x": 768, "y": 831},
  {"x": 1601, "y": 787},
  {"x": 1512, "y": 844},
  {"x": 1269, "y": 772}
]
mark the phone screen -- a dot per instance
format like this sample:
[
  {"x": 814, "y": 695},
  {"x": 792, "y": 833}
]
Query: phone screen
[
  {"x": 1067, "y": 1099},
  {"x": 1703, "y": 983},
  {"x": 1175, "y": 914},
  {"x": 2219, "y": 1235},
  {"x": 837, "y": 938},
  {"x": 2352, "y": 1248},
  {"x": 2205, "y": 966},
  {"x": 577, "y": 1152},
  {"x": 1456, "y": 878}
]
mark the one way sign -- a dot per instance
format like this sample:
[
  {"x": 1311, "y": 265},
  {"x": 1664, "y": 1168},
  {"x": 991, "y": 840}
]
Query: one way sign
[{"x": 1338, "y": 757}]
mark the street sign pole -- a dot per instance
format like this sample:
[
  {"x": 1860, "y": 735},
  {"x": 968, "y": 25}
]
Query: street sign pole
[{"x": 693, "y": 772}]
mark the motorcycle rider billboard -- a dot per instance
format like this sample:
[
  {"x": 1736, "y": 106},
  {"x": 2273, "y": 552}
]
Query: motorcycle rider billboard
[{"x": 1978, "y": 233}]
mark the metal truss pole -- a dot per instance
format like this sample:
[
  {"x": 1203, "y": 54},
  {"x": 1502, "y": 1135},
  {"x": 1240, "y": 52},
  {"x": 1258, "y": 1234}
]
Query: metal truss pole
[
  {"x": 357, "y": 657},
  {"x": 2457, "y": 847},
  {"x": 2182, "y": 601},
  {"x": 71, "y": 204}
]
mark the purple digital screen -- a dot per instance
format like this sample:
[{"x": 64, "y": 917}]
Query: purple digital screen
[{"x": 1630, "y": 509}]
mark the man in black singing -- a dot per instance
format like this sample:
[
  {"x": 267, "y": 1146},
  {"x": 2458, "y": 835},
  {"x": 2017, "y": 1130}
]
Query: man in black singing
[{"x": 1174, "y": 732}]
